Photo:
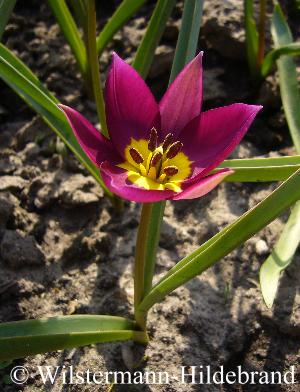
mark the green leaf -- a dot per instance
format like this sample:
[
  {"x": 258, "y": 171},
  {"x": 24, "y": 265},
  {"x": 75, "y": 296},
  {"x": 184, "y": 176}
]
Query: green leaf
[
  {"x": 251, "y": 37},
  {"x": 6, "y": 9},
  {"x": 261, "y": 169},
  {"x": 124, "y": 12},
  {"x": 225, "y": 241},
  {"x": 25, "y": 84},
  {"x": 292, "y": 49},
  {"x": 23, "y": 338},
  {"x": 66, "y": 22},
  {"x": 281, "y": 257},
  {"x": 156, "y": 27},
  {"x": 19, "y": 66},
  {"x": 94, "y": 68},
  {"x": 4, "y": 364},
  {"x": 188, "y": 36},
  {"x": 288, "y": 242},
  {"x": 289, "y": 87}
]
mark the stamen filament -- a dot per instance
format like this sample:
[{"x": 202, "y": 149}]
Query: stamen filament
[
  {"x": 143, "y": 170},
  {"x": 152, "y": 173}
]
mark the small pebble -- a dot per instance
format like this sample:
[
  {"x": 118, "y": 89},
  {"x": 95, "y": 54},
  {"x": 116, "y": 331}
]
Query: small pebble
[{"x": 261, "y": 247}]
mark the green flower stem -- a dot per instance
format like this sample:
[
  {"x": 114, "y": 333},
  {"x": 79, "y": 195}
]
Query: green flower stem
[
  {"x": 140, "y": 259},
  {"x": 94, "y": 65},
  {"x": 261, "y": 33},
  {"x": 145, "y": 254},
  {"x": 251, "y": 39}
]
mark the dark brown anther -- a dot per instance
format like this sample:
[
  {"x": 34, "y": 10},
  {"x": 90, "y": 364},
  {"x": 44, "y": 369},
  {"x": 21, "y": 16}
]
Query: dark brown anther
[
  {"x": 136, "y": 156},
  {"x": 174, "y": 149},
  {"x": 168, "y": 140},
  {"x": 170, "y": 170},
  {"x": 156, "y": 158},
  {"x": 153, "y": 140}
]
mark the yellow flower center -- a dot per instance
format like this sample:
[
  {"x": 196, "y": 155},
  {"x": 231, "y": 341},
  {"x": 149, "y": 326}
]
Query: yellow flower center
[{"x": 156, "y": 167}]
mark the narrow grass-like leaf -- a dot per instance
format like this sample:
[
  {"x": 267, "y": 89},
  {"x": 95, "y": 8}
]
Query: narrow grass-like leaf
[
  {"x": 156, "y": 27},
  {"x": 292, "y": 49},
  {"x": 281, "y": 256},
  {"x": 188, "y": 36},
  {"x": 23, "y": 338},
  {"x": 251, "y": 37},
  {"x": 124, "y": 12},
  {"x": 289, "y": 86},
  {"x": 261, "y": 169},
  {"x": 29, "y": 89},
  {"x": 288, "y": 242},
  {"x": 19, "y": 66},
  {"x": 6, "y": 8},
  {"x": 79, "y": 8},
  {"x": 225, "y": 241},
  {"x": 68, "y": 26}
]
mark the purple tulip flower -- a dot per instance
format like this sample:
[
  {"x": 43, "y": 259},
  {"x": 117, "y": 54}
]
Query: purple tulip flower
[{"x": 166, "y": 150}]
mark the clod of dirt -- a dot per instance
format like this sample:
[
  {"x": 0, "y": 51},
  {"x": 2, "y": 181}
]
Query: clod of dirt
[
  {"x": 32, "y": 131},
  {"x": 19, "y": 251},
  {"x": 222, "y": 28},
  {"x": 12, "y": 183},
  {"x": 79, "y": 190},
  {"x": 213, "y": 87},
  {"x": 162, "y": 61},
  {"x": 269, "y": 95},
  {"x": 6, "y": 209},
  {"x": 88, "y": 246},
  {"x": 9, "y": 161},
  {"x": 41, "y": 192}
]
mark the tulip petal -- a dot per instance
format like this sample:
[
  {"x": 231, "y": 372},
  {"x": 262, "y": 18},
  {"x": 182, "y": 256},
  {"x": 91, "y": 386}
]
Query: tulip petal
[
  {"x": 93, "y": 143},
  {"x": 131, "y": 110},
  {"x": 213, "y": 139},
  {"x": 203, "y": 186},
  {"x": 116, "y": 180},
  {"x": 183, "y": 100}
]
